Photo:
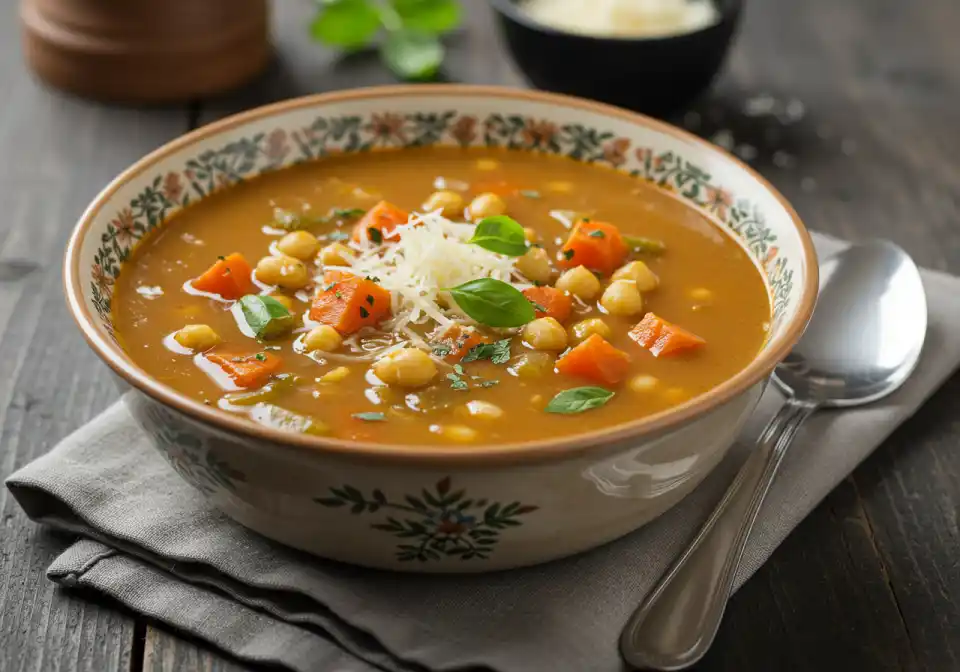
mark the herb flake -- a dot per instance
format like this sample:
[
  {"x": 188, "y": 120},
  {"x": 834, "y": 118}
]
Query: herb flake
[
  {"x": 497, "y": 353},
  {"x": 578, "y": 400},
  {"x": 370, "y": 417}
]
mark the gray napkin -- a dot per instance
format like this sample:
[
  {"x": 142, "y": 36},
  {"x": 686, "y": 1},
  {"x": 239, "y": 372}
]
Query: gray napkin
[{"x": 153, "y": 544}]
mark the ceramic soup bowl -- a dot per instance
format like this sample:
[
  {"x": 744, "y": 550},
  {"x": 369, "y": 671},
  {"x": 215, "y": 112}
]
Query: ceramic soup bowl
[{"x": 415, "y": 508}]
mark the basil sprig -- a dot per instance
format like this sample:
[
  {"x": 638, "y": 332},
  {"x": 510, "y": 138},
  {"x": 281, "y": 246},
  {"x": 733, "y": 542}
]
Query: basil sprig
[
  {"x": 493, "y": 303},
  {"x": 578, "y": 400},
  {"x": 266, "y": 317},
  {"x": 500, "y": 234}
]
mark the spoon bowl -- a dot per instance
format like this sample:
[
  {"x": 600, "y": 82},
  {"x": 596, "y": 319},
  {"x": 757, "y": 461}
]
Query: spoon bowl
[
  {"x": 857, "y": 351},
  {"x": 863, "y": 342}
]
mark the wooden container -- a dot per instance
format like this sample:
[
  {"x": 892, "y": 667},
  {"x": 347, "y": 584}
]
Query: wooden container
[{"x": 145, "y": 51}]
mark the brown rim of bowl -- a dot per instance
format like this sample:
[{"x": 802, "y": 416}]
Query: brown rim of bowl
[{"x": 480, "y": 455}]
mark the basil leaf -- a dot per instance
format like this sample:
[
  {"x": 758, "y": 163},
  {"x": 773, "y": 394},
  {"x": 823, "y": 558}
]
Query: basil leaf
[
  {"x": 640, "y": 244},
  {"x": 265, "y": 316},
  {"x": 429, "y": 16},
  {"x": 347, "y": 213},
  {"x": 349, "y": 24},
  {"x": 370, "y": 417},
  {"x": 412, "y": 54},
  {"x": 500, "y": 234},
  {"x": 579, "y": 399},
  {"x": 493, "y": 302}
]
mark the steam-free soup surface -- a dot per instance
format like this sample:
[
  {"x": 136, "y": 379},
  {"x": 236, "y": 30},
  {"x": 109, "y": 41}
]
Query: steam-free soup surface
[{"x": 310, "y": 299}]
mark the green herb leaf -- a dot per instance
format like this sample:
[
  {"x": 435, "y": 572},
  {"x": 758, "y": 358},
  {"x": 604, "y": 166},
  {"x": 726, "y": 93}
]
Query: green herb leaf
[
  {"x": 596, "y": 233},
  {"x": 648, "y": 245},
  {"x": 375, "y": 235},
  {"x": 537, "y": 306},
  {"x": 260, "y": 357},
  {"x": 347, "y": 213},
  {"x": 529, "y": 193},
  {"x": 493, "y": 302},
  {"x": 498, "y": 352},
  {"x": 568, "y": 254},
  {"x": 579, "y": 399},
  {"x": 442, "y": 350},
  {"x": 412, "y": 54},
  {"x": 456, "y": 382},
  {"x": 500, "y": 234},
  {"x": 489, "y": 383},
  {"x": 370, "y": 417},
  {"x": 429, "y": 16},
  {"x": 265, "y": 316},
  {"x": 348, "y": 24}
]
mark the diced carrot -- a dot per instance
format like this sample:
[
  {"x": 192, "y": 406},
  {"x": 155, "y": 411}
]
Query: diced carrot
[
  {"x": 246, "y": 370},
  {"x": 595, "y": 359},
  {"x": 459, "y": 340},
  {"x": 663, "y": 338},
  {"x": 229, "y": 278},
  {"x": 556, "y": 303},
  {"x": 596, "y": 245},
  {"x": 383, "y": 218},
  {"x": 348, "y": 302}
]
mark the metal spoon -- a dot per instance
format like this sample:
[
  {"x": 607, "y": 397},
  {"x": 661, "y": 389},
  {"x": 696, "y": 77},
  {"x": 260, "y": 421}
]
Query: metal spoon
[{"x": 863, "y": 342}]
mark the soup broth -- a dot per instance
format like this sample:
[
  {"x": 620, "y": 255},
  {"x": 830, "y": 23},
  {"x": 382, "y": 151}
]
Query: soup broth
[{"x": 662, "y": 307}]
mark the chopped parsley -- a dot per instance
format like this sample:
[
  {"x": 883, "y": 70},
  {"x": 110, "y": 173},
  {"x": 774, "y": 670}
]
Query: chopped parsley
[
  {"x": 364, "y": 312},
  {"x": 489, "y": 383},
  {"x": 498, "y": 352},
  {"x": 338, "y": 294},
  {"x": 442, "y": 350},
  {"x": 260, "y": 357},
  {"x": 596, "y": 233},
  {"x": 370, "y": 417},
  {"x": 221, "y": 257},
  {"x": 371, "y": 278},
  {"x": 456, "y": 379},
  {"x": 537, "y": 306},
  {"x": 347, "y": 213},
  {"x": 376, "y": 235},
  {"x": 568, "y": 254},
  {"x": 370, "y": 299}
]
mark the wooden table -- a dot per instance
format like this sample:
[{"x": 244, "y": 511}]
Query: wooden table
[{"x": 870, "y": 581}]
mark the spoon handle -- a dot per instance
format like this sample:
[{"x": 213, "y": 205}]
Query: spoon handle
[{"x": 679, "y": 619}]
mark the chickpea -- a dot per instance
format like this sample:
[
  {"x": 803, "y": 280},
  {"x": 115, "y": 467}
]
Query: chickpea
[
  {"x": 545, "y": 334},
  {"x": 323, "y": 338},
  {"x": 335, "y": 375},
  {"x": 484, "y": 410},
  {"x": 581, "y": 331},
  {"x": 286, "y": 272},
  {"x": 408, "y": 367},
  {"x": 458, "y": 433},
  {"x": 701, "y": 295},
  {"x": 336, "y": 254},
  {"x": 197, "y": 337},
  {"x": 530, "y": 235},
  {"x": 643, "y": 383},
  {"x": 532, "y": 365},
  {"x": 284, "y": 301},
  {"x": 640, "y": 273},
  {"x": 622, "y": 298},
  {"x": 450, "y": 203},
  {"x": 486, "y": 205},
  {"x": 535, "y": 265},
  {"x": 580, "y": 282},
  {"x": 299, "y": 245}
]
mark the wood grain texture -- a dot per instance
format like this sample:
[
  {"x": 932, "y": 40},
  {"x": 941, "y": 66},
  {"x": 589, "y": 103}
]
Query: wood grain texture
[
  {"x": 870, "y": 581},
  {"x": 57, "y": 153}
]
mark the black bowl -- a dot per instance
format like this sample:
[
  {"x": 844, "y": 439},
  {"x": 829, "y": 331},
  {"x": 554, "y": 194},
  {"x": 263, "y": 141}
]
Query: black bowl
[{"x": 658, "y": 76}]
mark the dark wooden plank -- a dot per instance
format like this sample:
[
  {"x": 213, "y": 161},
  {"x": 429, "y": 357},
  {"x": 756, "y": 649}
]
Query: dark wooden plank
[
  {"x": 57, "y": 153},
  {"x": 166, "y": 652}
]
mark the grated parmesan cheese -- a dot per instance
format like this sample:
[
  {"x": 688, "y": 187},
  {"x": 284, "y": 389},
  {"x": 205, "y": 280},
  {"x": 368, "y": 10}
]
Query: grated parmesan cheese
[
  {"x": 624, "y": 18},
  {"x": 420, "y": 259}
]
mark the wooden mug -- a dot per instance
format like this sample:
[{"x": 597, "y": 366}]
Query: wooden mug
[{"x": 146, "y": 51}]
